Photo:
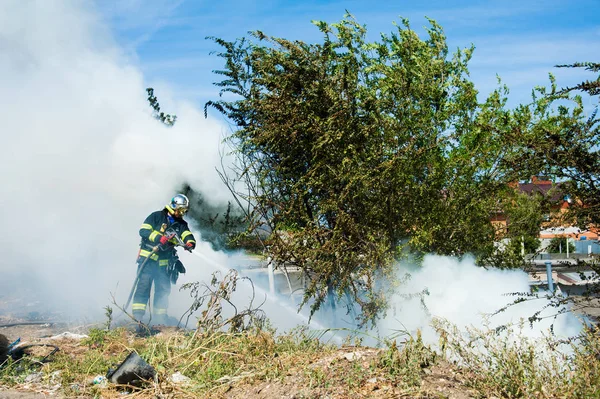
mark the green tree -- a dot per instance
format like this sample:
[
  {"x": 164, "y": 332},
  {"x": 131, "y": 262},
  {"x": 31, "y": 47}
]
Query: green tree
[
  {"x": 525, "y": 216},
  {"x": 219, "y": 225},
  {"x": 591, "y": 87},
  {"x": 562, "y": 142},
  {"x": 355, "y": 153},
  {"x": 580, "y": 161},
  {"x": 559, "y": 245},
  {"x": 166, "y": 119}
]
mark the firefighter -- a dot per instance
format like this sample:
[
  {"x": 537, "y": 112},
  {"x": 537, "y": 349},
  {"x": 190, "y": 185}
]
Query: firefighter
[{"x": 160, "y": 232}]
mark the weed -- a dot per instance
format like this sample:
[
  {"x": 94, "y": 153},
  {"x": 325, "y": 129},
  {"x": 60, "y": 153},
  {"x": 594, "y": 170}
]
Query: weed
[
  {"x": 208, "y": 299},
  {"x": 316, "y": 378},
  {"x": 108, "y": 312},
  {"x": 98, "y": 337},
  {"x": 406, "y": 364},
  {"x": 356, "y": 376},
  {"x": 14, "y": 372},
  {"x": 508, "y": 364}
]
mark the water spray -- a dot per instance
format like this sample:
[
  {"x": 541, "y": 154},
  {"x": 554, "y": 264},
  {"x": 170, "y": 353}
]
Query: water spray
[{"x": 272, "y": 299}]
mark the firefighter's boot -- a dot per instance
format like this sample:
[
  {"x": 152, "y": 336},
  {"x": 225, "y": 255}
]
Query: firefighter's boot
[
  {"x": 160, "y": 317},
  {"x": 138, "y": 315}
]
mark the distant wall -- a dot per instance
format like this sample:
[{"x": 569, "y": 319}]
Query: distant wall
[{"x": 581, "y": 247}]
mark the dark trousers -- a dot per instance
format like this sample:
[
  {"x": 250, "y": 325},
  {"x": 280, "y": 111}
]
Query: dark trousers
[{"x": 152, "y": 273}]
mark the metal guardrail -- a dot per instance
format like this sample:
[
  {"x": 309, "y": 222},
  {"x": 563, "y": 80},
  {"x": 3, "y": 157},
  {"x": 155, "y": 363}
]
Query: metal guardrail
[{"x": 572, "y": 256}]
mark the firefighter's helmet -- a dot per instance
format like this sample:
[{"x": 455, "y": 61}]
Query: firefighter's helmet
[{"x": 180, "y": 204}]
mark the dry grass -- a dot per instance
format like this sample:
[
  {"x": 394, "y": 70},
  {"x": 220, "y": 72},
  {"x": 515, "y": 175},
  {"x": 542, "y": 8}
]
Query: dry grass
[
  {"x": 506, "y": 364},
  {"x": 251, "y": 361},
  {"x": 258, "y": 363},
  {"x": 210, "y": 360}
]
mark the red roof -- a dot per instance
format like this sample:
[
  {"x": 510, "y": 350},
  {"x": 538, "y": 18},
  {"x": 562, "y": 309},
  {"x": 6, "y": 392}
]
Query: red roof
[{"x": 542, "y": 186}]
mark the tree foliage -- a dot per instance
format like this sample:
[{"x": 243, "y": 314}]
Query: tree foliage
[
  {"x": 356, "y": 153},
  {"x": 167, "y": 119},
  {"x": 559, "y": 245},
  {"x": 220, "y": 225},
  {"x": 562, "y": 143},
  {"x": 524, "y": 217},
  {"x": 592, "y": 87}
]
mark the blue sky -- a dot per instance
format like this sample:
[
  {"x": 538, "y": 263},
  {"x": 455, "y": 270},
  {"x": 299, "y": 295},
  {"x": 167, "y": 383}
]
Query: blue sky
[{"x": 521, "y": 41}]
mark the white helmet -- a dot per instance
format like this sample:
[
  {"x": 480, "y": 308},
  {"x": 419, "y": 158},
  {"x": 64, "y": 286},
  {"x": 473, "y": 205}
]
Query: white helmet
[{"x": 180, "y": 203}]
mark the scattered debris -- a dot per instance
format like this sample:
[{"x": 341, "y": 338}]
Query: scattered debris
[
  {"x": 34, "y": 377},
  {"x": 179, "y": 378},
  {"x": 244, "y": 374},
  {"x": 351, "y": 356},
  {"x": 55, "y": 377},
  {"x": 17, "y": 352},
  {"x": 101, "y": 381},
  {"x": 15, "y": 343},
  {"x": 133, "y": 371},
  {"x": 68, "y": 335}
]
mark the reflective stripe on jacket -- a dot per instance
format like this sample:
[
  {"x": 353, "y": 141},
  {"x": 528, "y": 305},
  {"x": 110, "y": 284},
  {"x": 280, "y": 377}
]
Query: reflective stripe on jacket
[{"x": 153, "y": 229}]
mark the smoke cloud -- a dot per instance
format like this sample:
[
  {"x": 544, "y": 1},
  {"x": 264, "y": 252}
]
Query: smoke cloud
[
  {"x": 468, "y": 296},
  {"x": 83, "y": 161}
]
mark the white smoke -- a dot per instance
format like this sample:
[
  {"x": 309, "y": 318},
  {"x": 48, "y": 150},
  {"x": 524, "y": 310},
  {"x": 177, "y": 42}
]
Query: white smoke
[
  {"x": 469, "y": 296},
  {"x": 83, "y": 161}
]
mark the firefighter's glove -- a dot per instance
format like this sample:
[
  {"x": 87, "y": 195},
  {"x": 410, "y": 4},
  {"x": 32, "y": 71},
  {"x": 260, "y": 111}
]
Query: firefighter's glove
[
  {"x": 167, "y": 237},
  {"x": 190, "y": 246}
]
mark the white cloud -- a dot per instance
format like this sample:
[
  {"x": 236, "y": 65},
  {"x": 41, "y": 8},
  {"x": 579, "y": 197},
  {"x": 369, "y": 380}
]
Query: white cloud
[
  {"x": 523, "y": 62},
  {"x": 520, "y": 50},
  {"x": 142, "y": 19}
]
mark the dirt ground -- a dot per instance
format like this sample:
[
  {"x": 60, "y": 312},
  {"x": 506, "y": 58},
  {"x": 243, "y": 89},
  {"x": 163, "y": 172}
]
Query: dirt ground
[
  {"x": 13, "y": 394},
  {"x": 440, "y": 381}
]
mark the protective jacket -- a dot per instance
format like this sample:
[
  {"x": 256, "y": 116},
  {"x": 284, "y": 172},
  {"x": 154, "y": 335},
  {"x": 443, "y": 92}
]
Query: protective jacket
[
  {"x": 157, "y": 269},
  {"x": 154, "y": 227}
]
